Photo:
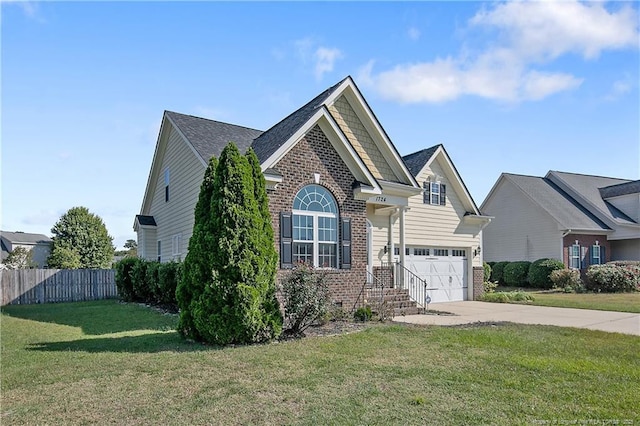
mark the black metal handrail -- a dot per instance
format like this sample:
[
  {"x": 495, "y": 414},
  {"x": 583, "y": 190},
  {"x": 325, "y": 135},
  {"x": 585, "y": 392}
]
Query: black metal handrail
[
  {"x": 374, "y": 286},
  {"x": 417, "y": 286}
]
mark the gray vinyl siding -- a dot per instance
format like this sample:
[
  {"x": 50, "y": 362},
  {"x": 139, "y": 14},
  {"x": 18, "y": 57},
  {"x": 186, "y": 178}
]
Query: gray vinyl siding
[
  {"x": 176, "y": 215},
  {"x": 625, "y": 249},
  {"x": 629, "y": 204},
  {"x": 520, "y": 230}
]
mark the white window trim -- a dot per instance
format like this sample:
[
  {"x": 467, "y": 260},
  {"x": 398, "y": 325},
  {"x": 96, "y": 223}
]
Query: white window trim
[
  {"x": 593, "y": 256},
  {"x": 433, "y": 185},
  {"x": 316, "y": 240},
  {"x": 176, "y": 245},
  {"x": 573, "y": 256}
]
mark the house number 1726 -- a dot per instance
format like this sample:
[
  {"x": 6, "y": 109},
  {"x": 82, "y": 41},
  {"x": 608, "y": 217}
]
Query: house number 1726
[{"x": 381, "y": 199}]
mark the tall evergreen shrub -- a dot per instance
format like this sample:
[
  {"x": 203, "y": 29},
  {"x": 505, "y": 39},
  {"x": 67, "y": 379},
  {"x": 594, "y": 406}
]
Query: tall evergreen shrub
[{"x": 228, "y": 284}]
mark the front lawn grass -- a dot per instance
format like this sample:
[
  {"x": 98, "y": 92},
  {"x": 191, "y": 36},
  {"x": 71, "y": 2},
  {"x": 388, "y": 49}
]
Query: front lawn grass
[
  {"x": 106, "y": 362},
  {"x": 620, "y": 302}
]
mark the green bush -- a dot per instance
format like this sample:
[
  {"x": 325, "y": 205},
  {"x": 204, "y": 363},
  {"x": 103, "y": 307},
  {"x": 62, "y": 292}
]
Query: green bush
[
  {"x": 540, "y": 271},
  {"x": 506, "y": 297},
  {"x": 151, "y": 281},
  {"x": 624, "y": 262},
  {"x": 305, "y": 294},
  {"x": 141, "y": 288},
  {"x": 168, "y": 275},
  {"x": 613, "y": 279},
  {"x": 515, "y": 273},
  {"x": 491, "y": 264},
  {"x": 363, "y": 314},
  {"x": 124, "y": 279},
  {"x": 567, "y": 280},
  {"x": 497, "y": 272},
  {"x": 487, "y": 271},
  {"x": 489, "y": 286}
]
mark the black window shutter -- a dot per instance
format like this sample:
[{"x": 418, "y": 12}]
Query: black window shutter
[
  {"x": 286, "y": 240},
  {"x": 583, "y": 257},
  {"x": 426, "y": 192},
  {"x": 345, "y": 240},
  {"x": 603, "y": 256},
  {"x": 443, "y": 194}
]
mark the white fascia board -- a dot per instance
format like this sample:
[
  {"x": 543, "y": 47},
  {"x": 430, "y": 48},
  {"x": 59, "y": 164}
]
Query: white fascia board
[
  {"x": 399, "y": 189},
  {"x": 359, "y": 104},
  {"x": 339, "y": 141},
  {"x": 456, "y": 181},
  {"x": 161, "y": 144}
]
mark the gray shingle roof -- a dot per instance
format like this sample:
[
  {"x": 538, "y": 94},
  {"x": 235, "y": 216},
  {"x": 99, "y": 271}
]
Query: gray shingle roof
[
  {"x": 564, "y": 209},
  {"x": 146, "y": 220},
  {"x": 632, "y": 187},
  {"x": 209, "y": 137},
  {"x": 416, "y": 161},
  {"x": 269, "y": 142},
  {"x": 589, "y": 188},
  {"x": 24, "y": 237}
]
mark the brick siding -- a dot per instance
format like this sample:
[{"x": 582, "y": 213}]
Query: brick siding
[
  {"x": 585, "y": 241},
  {"x": 478, "y": 281},
  {"x": 315, "y": 154}
]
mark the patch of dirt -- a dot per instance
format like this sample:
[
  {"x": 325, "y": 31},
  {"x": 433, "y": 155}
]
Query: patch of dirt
[
  {"x": 332, "y": 328},
  {"x": 480, "y": 324}
]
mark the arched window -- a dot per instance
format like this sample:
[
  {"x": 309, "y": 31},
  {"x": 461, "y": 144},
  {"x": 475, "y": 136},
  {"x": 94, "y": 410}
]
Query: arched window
[{"x": 315, "y": 227}]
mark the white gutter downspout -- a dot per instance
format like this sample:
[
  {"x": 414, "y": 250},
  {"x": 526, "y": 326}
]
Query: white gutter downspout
[{"x": 564, "y": 234}]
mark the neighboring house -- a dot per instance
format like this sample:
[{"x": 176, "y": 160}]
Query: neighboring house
[
  {"x": 40, "y": 245},
  {"x": 340, "y": 196},
  {"x": 579, "y": 219}
]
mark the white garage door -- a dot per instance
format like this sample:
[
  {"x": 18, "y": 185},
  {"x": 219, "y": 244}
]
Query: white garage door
[{"x": 444, "y": 270}]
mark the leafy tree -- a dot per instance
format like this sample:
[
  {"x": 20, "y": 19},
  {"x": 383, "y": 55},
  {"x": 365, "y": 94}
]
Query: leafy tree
[
  {"x": 131, "y": 249},
  {"x": 228, "y": 281},
  {"x": 62, "y": 257},
  {"x": 80, "y": 240},
  {"x": 20, "y": 258}
]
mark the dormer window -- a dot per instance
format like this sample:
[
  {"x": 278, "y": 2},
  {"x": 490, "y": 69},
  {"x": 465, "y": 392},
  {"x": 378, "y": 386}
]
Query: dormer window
[{"x": 434, "y": 193}]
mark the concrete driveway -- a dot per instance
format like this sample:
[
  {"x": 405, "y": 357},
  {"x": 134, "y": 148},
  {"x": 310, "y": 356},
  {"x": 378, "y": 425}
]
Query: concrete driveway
[{"x": 470, "y": 312}]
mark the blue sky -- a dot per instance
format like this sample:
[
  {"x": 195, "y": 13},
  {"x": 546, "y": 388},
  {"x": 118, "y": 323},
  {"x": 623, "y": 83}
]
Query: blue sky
[{"x": 521, "y": 87}]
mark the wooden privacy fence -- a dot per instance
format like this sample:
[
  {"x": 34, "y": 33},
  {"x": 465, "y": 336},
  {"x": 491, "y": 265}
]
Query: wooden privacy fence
[{"x": 29, "y": 286}]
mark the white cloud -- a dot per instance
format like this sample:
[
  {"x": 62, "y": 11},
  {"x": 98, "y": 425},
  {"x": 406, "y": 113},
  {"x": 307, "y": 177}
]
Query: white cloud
[
  {"x": 29, "y": 8},
  {"x": 530, "y": 35},
  {"x": 545, "y": 30},
  {"x": 325, "y": 59},
  {"x": 413, "y": 33},
  {"x": 620, "y": 87}
]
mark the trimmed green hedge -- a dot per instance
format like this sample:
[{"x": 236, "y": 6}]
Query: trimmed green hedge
[
  {"x": 540, "y": 272},
  {"x": 497, "y": 272},
  {"x": 152, "y": 282},
  {"x": 515, "y": 273}
]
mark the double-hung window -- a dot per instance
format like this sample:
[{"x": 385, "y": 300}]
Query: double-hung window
[
  {"x": 574, "y": 256},
  {"x": 315, "y": 227},
  {"x": 434, "y": 192},
  {"x": 596, "y": 255}
]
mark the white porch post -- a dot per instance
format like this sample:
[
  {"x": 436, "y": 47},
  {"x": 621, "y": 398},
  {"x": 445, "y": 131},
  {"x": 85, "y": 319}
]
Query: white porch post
[
  {"x": 390, "y": 244},
  {"x": 402, "y": 245}
]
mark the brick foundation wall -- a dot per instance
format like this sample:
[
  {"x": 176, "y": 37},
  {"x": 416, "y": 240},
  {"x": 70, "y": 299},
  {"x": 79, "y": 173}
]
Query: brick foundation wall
[
  {"x": 315, "y": 154},
  {"x": 478, "y": 279}
]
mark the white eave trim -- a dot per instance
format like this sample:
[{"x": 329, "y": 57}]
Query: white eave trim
[
  {"x": 339, "y": 141},
  {"x": 399, "y": 189},
  {"x": 457, "y": 182}
]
